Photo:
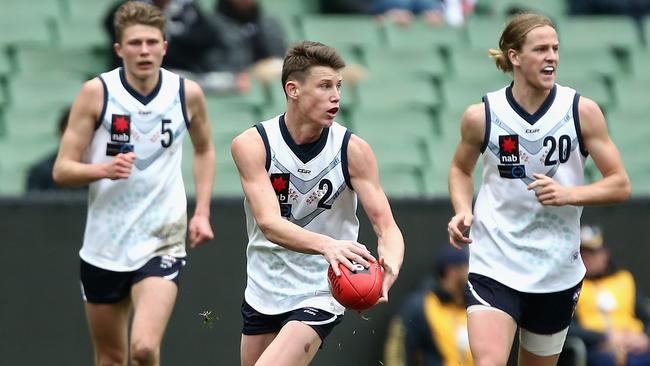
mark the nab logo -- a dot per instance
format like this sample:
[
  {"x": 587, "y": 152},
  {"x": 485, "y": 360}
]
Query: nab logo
[
  {"x": 280, "y": 183},
  {"x": 509, "y": 149},
  {"x": 120, "y": 128}
]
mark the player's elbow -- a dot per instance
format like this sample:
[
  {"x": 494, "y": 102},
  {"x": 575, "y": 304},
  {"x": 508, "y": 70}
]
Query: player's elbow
[
  {"x": 625, "y": 189},
  {"x": 266, "y": 226}
]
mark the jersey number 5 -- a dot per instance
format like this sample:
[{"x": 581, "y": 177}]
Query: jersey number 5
[{"x": 164, "y": 129}]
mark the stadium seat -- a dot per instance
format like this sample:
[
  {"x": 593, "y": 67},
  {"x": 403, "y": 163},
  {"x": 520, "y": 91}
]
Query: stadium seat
[
  {"x": 421, "y": 35},
  {"x": 53, "y": 59},
  {"x": 44, "y": 92},
  {"x": 550, "y": 8},
  {"x": 484, "y": 32},
  {"x": 81, "y": 32},
  {"x": 18, "y": 153},
  {"x": 394, "y": 121},
  {"x": 343, "y": 31},
  {"x": 423, "y": 61},
  {"x": 389, "y": 92},
  {"x": 41, "y": 31},
  {"x": 617, "y": 32},
  {"x": 93, "y": 10}
]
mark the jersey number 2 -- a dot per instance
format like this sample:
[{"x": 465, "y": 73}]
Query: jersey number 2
[
  {"x": 325, "y": 183},
  {"x": 166, "y": 130}
]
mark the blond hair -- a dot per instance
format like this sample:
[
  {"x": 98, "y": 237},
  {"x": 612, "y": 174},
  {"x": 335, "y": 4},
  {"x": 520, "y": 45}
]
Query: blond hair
[
  {"x": 514, "y": 36},
  {"x": 136, "y": 12}
]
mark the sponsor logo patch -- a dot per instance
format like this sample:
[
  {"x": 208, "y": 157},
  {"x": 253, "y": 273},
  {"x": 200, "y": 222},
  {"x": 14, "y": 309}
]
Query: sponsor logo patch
[
  {"x": 512, "y": 171},
  {"x": 120, "y": 128},
  {"x": 509, "y": 149},
  {"x": 280, "y": 183}
]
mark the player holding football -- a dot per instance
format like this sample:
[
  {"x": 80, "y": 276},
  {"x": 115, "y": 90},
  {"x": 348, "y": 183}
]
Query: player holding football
[{"x": 301, "y": 173}]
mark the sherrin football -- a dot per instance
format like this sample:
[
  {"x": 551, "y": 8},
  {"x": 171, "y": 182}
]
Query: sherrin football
[{"x": 359, "y": 289}]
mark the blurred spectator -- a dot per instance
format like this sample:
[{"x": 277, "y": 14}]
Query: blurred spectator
[
  {"x": 402, "y": 12},
  {"x": 633, "y": 8},
  {"x": 254, "y": 40},
  {"x": 431, "y": 327},
  {"x": 346, "y": 6},
  {"x": 611, "y": 316},
  {"x": 434, "y": 12},
  {"x": 196, "y": 48},
  {"x": 39, "y": 176}
]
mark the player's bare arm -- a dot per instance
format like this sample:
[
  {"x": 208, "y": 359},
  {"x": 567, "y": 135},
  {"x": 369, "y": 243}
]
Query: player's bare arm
[
  {"x": 203, "y": 163},
  {"x": 461, "y": 188},
  {"x": 614, "y": 186},
  {"x": 250, "y": 156},
  {"x": 69, "y": 170},
  {"x": 364, "y": 176}
]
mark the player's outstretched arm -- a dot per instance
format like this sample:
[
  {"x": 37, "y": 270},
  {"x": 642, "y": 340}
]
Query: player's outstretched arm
[
  {"x": 614, "y": 186},
  {"x": 68, "y": 169},
  {"x": 203, "y": 163},
  {"x": 461, "y": 188},
  {"x": 364, "y": 176},
  {"x": 250, "y": 157}
]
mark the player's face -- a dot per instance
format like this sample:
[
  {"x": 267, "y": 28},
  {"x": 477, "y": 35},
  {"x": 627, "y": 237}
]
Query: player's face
[
  {"x": 142, "y": 48},
  {"x": 539, "y": 56},
  {"x": 319, "y": 95}
]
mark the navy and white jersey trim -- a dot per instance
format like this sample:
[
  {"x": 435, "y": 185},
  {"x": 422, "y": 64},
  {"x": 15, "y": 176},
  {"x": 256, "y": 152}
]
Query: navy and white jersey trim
[
  {"x": 344, "y": 158},
  {"x": 101, "y": 115},
  {"x": 531, "y": 118},
  {"x": 181, "y": 91},
  {"x": 576, "y": 120},
  {"x": 144, "y": 99},
  {"x": 265, "y": 139},
  {"x": 301, "y": 153},
  {"x": 488, "y": 124}
]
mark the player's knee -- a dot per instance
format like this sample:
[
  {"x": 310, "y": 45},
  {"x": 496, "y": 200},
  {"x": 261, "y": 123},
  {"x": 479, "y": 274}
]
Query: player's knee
[
  {"x": 490, "y": 361},
  {"x": 110, "y": 357},
  {"x": 144, "y": 352},
  {"x": 111, "y": 360}
]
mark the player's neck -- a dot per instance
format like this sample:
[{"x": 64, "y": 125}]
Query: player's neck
[
  {"x": 302, "y": 130},
  {"x": 528, "y": 97},
  {"x": 144, "y": 86}
]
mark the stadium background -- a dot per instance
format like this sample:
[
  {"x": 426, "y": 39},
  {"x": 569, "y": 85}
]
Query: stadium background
[{"x": 419, "y": 80}]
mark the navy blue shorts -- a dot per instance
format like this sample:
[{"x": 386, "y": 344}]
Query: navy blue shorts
[
  {"x": 541, "y": 313},
  {"x": 257, "y": 323},
  {"x": 102, "y": 286}
]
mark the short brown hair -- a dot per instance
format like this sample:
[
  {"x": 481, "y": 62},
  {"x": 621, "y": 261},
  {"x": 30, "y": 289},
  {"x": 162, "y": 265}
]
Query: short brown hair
[
  {"x": 306, "y": 54},
  {"x": 137, "y": 12},
  {"x": 514, "y": 36}
]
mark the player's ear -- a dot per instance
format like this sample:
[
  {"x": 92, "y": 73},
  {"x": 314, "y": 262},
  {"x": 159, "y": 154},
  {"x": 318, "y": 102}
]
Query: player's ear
[
  {"x": 292, "y": 89},
  {"x": 513, "y": 56},
  {"x": 165, "y": 46},
  {"x": 118, "y": 49}
]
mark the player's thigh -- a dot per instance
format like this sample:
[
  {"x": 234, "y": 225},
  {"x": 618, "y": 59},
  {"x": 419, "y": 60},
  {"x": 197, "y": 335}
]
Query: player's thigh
[
  {"x": 153, "y": 301},
  {"x": 107, "y": 305},
  {"x": 108, "y": 324},
  {"x": 491, "y": 333},
  {"x": 295, "y": 345},
  {"x": 527, "y": 358},
  {"x": 252, "y": 347}
]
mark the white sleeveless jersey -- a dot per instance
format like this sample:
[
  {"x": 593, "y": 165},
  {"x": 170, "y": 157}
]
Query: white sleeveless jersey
[
  {"x": 131, "y": 220},
  {"x": 314, "y": 192},
  {"x": 516, "y": 240}
]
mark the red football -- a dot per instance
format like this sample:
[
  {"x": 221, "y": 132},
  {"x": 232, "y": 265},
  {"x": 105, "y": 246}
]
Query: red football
[{"x": 358, "y": 290}]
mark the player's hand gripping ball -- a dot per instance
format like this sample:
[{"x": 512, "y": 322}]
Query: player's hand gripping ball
[{"x": 359, "y": 289}]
